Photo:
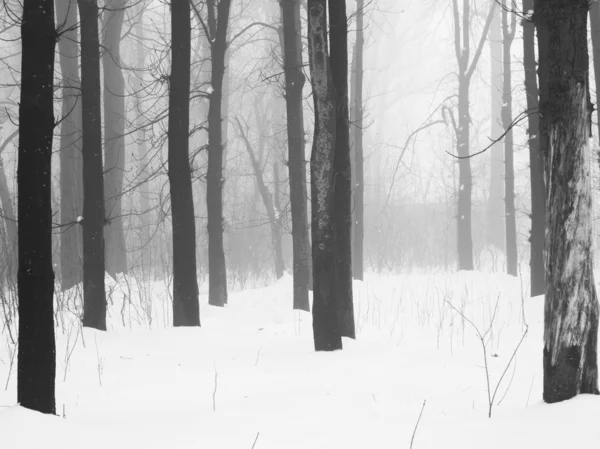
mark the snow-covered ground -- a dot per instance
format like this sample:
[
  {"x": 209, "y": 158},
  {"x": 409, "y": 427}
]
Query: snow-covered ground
[{"x": 249, "y": 377}]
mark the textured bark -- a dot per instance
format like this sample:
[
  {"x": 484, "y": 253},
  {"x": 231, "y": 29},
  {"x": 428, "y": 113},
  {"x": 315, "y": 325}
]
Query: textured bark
[
  {"x": 186, "y": 307},
  {"x": 94, "y": 297},
  {"x": 465, "y": 72},
  {"x": 342, "y": 185},
  {"x": 218, "y": 18},
  {"x": 326, "y": 330},
  {"x": 536, "y": 163},
  {"x": 508, "y": 35},
  {"x": 36, "y": 365},
  {"x": 595, "y": 32},
  {"x": 495, "y": 234},
  {"x": 571, "y": 306},
  {"x": 294, "y": 83},
  {"x": 114, "y": 136},
  {"x": 359, "y": 183},
  {"x": 71, "y": 164},
  {"x": 265, "y": 195}
]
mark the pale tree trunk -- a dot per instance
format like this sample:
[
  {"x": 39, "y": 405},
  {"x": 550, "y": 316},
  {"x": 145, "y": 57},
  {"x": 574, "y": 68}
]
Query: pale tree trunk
[
  {"x": 536, "y": 162},
  {"x": 36, "y": 359},
  {"x": 342, "y": 206},
  {"x": 495, "y": 234},
  {"x": 71, "y": 164},
  {"x": 359, "y": 184},
  {"x": 94, "y": 296},
  {"x": 186, "y": 307},
  {"x": 571, "y": 305},
  {"x": 294, "y": 83},
  {"x": 218, "y": 19},
  {"x": 114, "y": 137},
  {"x": 326, "y": 330},
  {"x": 508, "y": 34},
  {"x": 11, "y": 262},
  {"x": 462, "y": 131}
]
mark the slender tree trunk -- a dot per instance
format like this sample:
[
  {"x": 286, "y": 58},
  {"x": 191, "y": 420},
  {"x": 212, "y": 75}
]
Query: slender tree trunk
[
  {"x": 508, "y": 34},
  {"x": 571, "y": 306},
  {"x": 94, "y": 297},
  {"x": 595, "y": 31},
  {"x": 36, "y": 362},
  {"x": 294, "y": 84},
  {"x": 9, "y": 217},
  {"x": 536, "y": 163},
  {"x": 114, "y": 137},
  {"x": 342, "y": 213},
  {"x": 326, "y": 322},
  {"x": 359, "y": 187},
  {"x": 71, "y": 164},
  {"x": 217, "y": 272},
  {"x": 278, "y": 233},
  {"x": 186, "y": 307},
  {"x": 496, "y": 234}
]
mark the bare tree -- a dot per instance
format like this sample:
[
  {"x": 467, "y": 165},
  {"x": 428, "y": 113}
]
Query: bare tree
[
  {"x": 94, "y": 296},
  {"x": 186, "y": 308},
  {"x": 37, "y": 348},
  {"x": 571, "y": 305}
]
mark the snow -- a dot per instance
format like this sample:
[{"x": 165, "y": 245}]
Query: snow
[{"x": 249, "y": 376}]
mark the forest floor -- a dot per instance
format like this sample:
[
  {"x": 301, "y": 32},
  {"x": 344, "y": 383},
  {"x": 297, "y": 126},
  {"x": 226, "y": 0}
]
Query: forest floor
[{"x": 249, "y": 377}]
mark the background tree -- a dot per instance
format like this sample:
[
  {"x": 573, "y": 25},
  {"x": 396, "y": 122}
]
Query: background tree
[
  {"x": 94, "y": 296},
  {"x": 37, "y": 348},
  {"x": 186, "y": 309},
  {"x": 571, "y": 307}
]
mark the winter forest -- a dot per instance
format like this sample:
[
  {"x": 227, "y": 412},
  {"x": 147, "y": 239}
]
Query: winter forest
[{"x": 299, "y": 223}]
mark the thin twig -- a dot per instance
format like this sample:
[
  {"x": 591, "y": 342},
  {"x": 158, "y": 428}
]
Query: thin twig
[{"x": 417, "y": 424}]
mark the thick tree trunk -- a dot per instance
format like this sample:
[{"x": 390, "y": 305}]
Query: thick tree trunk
[
  {"x": 595, "y": 31},
  {"x": 342, "y": 212},
  {"x": 571, "y": 307},
  {"x": 359, "y": 184},
  {"x": 186, "y": 307},
  {"x": 217, "y": 272},
  {"x": 114, "y": 137},
  {"x": 36, "y": 361},
  {"x": 294, "y": 83},
  {"x": 71, "y": 164},
  {"x": 495, "y": 234},
  {"x": 326, "y": 322},
  {"x": 94, "y": 297},
  {"x": 536, "y": 163},
  {"x": 508, "y": 34}
]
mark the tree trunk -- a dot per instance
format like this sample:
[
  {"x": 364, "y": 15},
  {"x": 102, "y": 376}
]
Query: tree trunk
[
  {"x": 186, "y": 307},
  {"x": 94, "y": 297},
  {"x": 71, "y": 164},
  {"x": 595, "y": 31},
  {"x": 217, "y": 272},
  {"x": 36, "y": 360},
  {"x": 571, "y": 306},
  {"x": 359, "y": 187},
  {"x": 294, "y": 83},
  {"x": 326, "y": 322},
  {"x": 495, "y": 234},
  {"x": 114, "y": 137},
  {"x": 12, "y": 236},
  {"x": 342, "y": 213},
  {"x": 536, "y": 163},
  {"x": 279, "y": 262},
  {"x": 508, "y": 34}
]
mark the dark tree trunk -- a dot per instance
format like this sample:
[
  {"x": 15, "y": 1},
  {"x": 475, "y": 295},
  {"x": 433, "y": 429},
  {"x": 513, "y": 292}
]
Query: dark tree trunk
[
  {"x": 508, "y": 34},
  {"x": 595, "y": 31},
  {"x": 359, "y": 187},
  {"x": 326, "y": 322},
  {"x": 277, "y": 230},
  {"x": 36, "y": 365},
  {"x": 186, "y": 308},
  {"x": 495, "y": 234},
  {"x": 536, "y": 162},
  {"x": 71, "y": 165},
  {"x": 94, "y": 297},
  {"x": 571, "y": 306},
  {"x": 218, "y": 18},
  {"x": 465, "y": 72},
  {"x": 114, "y": 137},
  {"x": 342, "y": 212},
  {"x": 294, "y": 83}
]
